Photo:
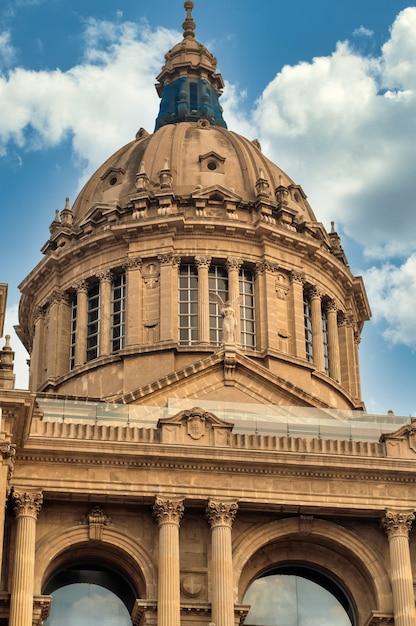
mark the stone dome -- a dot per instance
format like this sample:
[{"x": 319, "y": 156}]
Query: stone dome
[{"x": 187, "y": 159}]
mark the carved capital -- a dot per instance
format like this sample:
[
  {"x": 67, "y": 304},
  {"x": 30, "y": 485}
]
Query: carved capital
[
  {"x": 331, "y": 305},
  {"x": 397, "y": 524},
  {"x": 8, "y": 451},
  {"x": 166, "y": 259},
  {"x": 297, "y": 277},
  {"x": 82, "y": 286},
  {"x": 221, "y": 513},
  {"x": 38, "y": 314},
  {"x": 267, "y": 266},
  {"x": 96, "y": 520},
  {"x": 233, "y": 263},
  {"x": 167, "y": 511},
  {"x": 105, "y": 276},
  {"x": 203, "y": 261},
  {"x": 315, "y": 293},
  {"x": 27, "y": 503},
  {"x": 132, "y": 264},
  {"x": 57, "y": 297}
]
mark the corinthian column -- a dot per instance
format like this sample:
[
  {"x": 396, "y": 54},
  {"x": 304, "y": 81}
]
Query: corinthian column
[
  {"x": 26, "y": 507},
  {"x": 168, "y": 514},
  {"x": 317, "y": 341},
  {"x": 203, "y": 263},
  {"x": 333, "y": 341},
  {"x": 397, "y": 526},
  {"x": 221, "y": 516}
]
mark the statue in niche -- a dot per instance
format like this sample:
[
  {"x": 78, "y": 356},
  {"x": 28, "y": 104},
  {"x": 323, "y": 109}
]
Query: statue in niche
[{"x": 229, "y": 320}]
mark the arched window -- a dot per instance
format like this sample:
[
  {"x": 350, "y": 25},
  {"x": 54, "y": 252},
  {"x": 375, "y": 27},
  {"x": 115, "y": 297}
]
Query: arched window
[
  {"x": 89, "y": 595},
  {"x": 297, "y": 596}
]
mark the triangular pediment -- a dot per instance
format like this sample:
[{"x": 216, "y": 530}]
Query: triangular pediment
[
  {"x": 217, "y": 192},
  {"x": 225, "y": 375}
]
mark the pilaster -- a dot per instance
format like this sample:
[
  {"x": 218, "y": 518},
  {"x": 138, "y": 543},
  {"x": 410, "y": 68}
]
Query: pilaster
[
  {"x": 134, "y": 297},
  {"x": 296, "y": 315},
  {"x": 105, "y": 279},
  {"x": 333, "y": 341},
  {"x": 81, "y": 328},
  {"x": 318, "y": 346}
]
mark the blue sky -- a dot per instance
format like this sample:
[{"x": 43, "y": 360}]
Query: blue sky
[{"x": 329, "y": 88}]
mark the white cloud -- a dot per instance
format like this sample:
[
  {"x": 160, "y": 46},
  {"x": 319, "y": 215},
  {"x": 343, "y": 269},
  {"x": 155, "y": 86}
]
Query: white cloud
[
  {"x": 7, "y": 51},
  {"x": 344, "y": 127},
  {"x": 99, "y": 103},
  {"x": 392, "y": 291},
  {"x": 362, "y": 31}
]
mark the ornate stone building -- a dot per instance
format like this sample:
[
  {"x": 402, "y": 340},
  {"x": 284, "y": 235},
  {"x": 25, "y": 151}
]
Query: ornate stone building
[{"x": 194, "y": 424}]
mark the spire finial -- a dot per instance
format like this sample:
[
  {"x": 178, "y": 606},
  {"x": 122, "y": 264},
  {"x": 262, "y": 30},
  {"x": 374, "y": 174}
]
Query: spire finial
[{"x": 189, "y": 24}]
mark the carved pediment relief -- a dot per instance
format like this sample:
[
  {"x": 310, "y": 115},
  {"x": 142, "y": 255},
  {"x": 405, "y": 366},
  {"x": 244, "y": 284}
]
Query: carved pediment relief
[
  {"x": 195, "y": 427},
  {"x": 402, "y": 442}
]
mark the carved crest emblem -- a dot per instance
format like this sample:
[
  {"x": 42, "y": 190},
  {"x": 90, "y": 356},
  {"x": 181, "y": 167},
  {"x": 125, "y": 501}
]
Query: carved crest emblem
[{"x": 196, "y": 426}]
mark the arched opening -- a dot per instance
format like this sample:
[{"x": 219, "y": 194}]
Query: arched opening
[
  {"x": 298, "y": 595},
  {"x": 89, "y": 593}
]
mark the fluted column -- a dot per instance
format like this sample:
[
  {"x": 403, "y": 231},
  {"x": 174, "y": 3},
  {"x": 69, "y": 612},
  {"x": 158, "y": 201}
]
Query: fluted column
[
  {"x": 397, "y": 526},
  {"x": 168, "y": 514},
  {"x": 296, "y": 315},
  {"x": 317, "y": 342},
  {"x": 26, "y": 507},
  {"x": 333, "y": 341},
  {"x": 105, "y": 313},
  {"x": 202, "y": 263},
  {"x": 221, "y": 516},
  {"x": 81, "y": 328}
]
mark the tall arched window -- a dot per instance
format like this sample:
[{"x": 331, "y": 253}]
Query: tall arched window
[{"x": 297, "y": 596}]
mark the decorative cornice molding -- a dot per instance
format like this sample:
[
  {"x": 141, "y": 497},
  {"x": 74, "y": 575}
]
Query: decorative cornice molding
[
  {"x": 27, "y": 503},
  {"x": 221, "y": 513},
  {"x": 167, "y": 511}
]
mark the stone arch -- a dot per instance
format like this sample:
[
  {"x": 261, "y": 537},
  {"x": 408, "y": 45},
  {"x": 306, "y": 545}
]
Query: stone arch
[
  {"x": 115, "y": 548},
  {"x": 325, "y": 545}
]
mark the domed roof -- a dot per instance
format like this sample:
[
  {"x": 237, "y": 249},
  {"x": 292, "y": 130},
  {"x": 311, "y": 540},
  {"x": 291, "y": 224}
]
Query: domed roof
[{"x": 186, "y": 159}]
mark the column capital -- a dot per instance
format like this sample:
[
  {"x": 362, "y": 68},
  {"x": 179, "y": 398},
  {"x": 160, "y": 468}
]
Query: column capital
[
  {"x": 27, "y": 503},
  {"x": 297, "y": 277},
  {"x": 82, "y": 286},
  {"x": 167, "y": 511},
  {"x": 233, "y": 263},
  {"x": 133, "y": 263},
  {"x": 266, "y": 266},
  {"x": 221, "y": 513},
  {"x": 315, "y": 293},
  {"x": 203, "y": 261},
  {"x": 105, "y": 276},
  {"x": 331, "y": 306},
  {"x": 397, "y": 523}
]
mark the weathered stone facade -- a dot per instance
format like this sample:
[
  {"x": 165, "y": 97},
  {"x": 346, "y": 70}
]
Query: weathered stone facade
[{"x": 195, "y": 418}]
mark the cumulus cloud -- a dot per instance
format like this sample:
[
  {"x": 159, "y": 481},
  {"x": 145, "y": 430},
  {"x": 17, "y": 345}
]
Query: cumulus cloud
[
  {"x": 392, "y": 291},
  {"x": 344, "y": 126},
  {"x": 98, "y": 103}
]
